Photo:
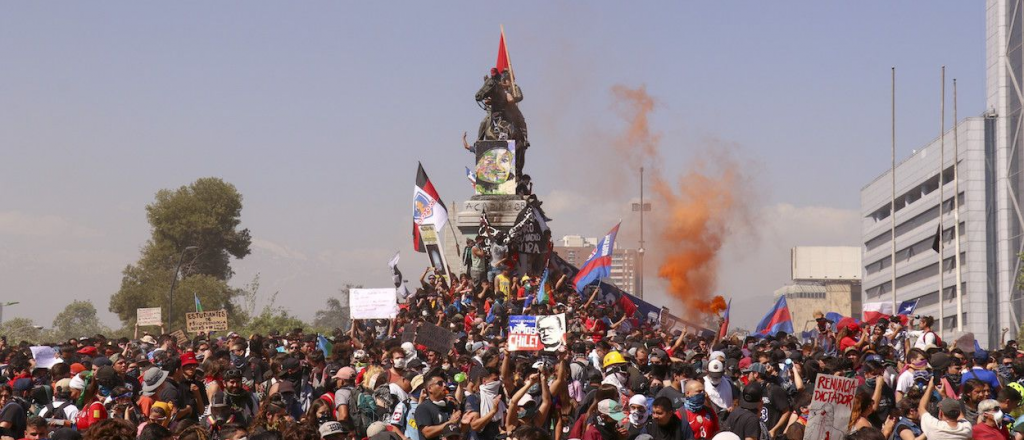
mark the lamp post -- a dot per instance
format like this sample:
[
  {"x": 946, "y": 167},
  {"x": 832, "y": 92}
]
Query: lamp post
[
  {"x": 640, "y": 252},
  {"x": 2, "y": 305},
  {"x": 174, "y": 281}
]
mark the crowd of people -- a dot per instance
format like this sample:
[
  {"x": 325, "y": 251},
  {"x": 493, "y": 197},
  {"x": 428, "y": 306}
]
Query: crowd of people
[{"x": 616, "y": 376}]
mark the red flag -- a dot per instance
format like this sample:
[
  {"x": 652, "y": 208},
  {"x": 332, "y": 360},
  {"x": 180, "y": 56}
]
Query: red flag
[
  {"x": 503, "y": 61},
  {"x": 428, "y": 209}
]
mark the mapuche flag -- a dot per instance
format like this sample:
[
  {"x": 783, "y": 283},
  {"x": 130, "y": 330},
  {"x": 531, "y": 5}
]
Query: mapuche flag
[
  {"x": 599, "y": 265},
  {"x": 427, "y": 208}
]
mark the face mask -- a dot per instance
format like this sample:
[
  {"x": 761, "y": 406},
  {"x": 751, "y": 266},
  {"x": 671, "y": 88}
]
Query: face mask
[
  {"x": 534, "y": 389},
  {"x": 445, "y": 366},
  {"x": 133, "y": 373},
  {"x": 104, "y": 391},
  {"x": 998, "y": 417},
  {"x": 954, "y": 378},
  {"x": 694, "y": 403},
  {"x": 491, "y": 388},
  {"x": 237, "y": 360},
  {"x": 1005, "y": 371},
  {"x": 871, "y": 382},
  {"x": 715, "y": 381},
  {"x": 622, "y": 377},
  {"x": 521, "y": 413},
  {"x": 400, "y": 363},
  {"x": 323, "y": 418},
  {"x": 919, "y": 364},
  {"x": 637, "y": 417}
]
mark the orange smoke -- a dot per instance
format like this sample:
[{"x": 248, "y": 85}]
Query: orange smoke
[{"x": 691, "y": 219}]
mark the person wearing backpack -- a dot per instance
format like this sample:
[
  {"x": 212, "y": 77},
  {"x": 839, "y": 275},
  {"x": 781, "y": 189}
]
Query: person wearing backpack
[
  {"x": 61, "y": 411},
  {"x": 928, "y": 337}
]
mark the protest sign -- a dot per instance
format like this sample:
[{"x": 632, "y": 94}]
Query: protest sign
[
  {"x": 44, "y": 356},
  {"x": 214, "y": 320},
  {"x": 179, "y": 337},
  {"x": 551, "y": 329},
  {"x": 148, "y": 316},
  {"x": 522, "y": 334},
  {"x": 830, "y": 407},
  {"x": 409, "y": 332},
  {"x": 435, "y": 338},
  {"x": 373, "y": 303}
]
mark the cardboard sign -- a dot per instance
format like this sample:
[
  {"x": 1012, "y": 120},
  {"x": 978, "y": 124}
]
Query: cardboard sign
[
  {"x": 435, "y": 338},
  {"x": 830, "y": 407},
  {"x": 179, "y": 337},
  {"x": 522, "y": 333},
  {"x": 149, "y": 316},
  {"x": 409, "y": 332},
  {"x": 373, "y": 303},
  {"x": 212, "y": 321}
]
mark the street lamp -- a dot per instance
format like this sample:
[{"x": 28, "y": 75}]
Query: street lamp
[
  {"x": 640, "y": 252},
  {"x": 2, "y": 305},
  {"x": 174, "y": 281}
]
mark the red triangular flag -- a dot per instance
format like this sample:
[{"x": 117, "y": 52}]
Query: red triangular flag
[{"x": 503, "y": 61}]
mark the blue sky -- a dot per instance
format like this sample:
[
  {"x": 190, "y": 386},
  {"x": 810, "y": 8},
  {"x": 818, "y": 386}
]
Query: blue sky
[{"x": 318, "y": 112}]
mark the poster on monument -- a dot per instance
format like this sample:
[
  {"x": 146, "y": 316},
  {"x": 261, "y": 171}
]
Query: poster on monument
[
  {"x": 830, "y": 408},
  {"x": 495, "y": 167}
]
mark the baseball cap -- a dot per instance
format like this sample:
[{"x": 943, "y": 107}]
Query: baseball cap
[
  {"x": 756, "y": 367},
  {"x": 716, "y": 366},
  {"x": 102, "y": 361},
  {"x": 331, "y": 428},
  {"x": 416, "y": 382},
  {"x": 345, "y": 373},
  {"x": 751, "y": 396},
  {"x": 188, "y": 358},
  {"x": 375, "y": 428},
  {"x": 611, "y": 409},
  {"x": 950, "y": 407}
]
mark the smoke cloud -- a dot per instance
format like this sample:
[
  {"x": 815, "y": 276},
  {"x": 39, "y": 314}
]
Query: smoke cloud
[{"x": 694, "y": 216}]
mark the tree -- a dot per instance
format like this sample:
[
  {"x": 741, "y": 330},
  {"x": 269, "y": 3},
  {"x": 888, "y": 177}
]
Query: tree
[
  {"x": 76, "y": 320},
  {"x": 21, "y": 329},
  {"x": 336, "y": 312},
  {"x": 205, "y": 214}
]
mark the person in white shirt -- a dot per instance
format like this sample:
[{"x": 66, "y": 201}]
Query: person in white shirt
[
  {"x": 62, "y": 403},
  {"x": 949, "y": 425},
  {"x": 927, "y": 336}
]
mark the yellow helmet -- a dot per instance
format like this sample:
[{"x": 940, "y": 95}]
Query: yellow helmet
[
  {"x": 1017, "y": 387},
  {"x": 613, "y": 358}
]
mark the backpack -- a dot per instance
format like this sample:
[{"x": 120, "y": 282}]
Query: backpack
[
  {"x": 938, "y": 340},
  {"x": 358, "y": 402},
  {"x": 58, "y": 412}
]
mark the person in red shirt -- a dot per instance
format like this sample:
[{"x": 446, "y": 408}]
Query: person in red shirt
[
  {"x": 989, "y": 425},
  {"x": 848, "y": 337},
  {"x": 702, "y": 420}
]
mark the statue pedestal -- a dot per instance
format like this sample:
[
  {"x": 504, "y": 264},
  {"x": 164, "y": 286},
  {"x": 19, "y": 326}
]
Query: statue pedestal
[{"x": 501, "y": 211}]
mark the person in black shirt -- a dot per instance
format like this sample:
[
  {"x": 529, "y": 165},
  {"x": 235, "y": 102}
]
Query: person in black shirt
[
  {"x": 775, "y": 410},
  {"x": 744, "y": 421},
  {"x": 435, "y": 417},
  {"x": 665, "y": 424}
]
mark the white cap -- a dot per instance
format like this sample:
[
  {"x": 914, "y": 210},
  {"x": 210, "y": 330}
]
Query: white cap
[
  {"x": 638, "y": 399},
  {"x": 716, "y": 366}
]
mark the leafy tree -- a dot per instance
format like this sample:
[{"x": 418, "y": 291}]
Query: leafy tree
[
  {"x": 21, "y": 329},
  {"x": 206, "y": 215},
  {"x": 77, "y": 319},
  {"x": 336, "y": 312}
]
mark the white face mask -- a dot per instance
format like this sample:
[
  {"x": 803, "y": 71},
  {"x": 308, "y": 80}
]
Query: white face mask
[
  {"x": 638, "y": 418},
  {"x": 997, "y": 417}
]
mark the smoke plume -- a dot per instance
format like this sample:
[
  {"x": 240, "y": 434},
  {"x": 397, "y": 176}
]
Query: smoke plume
[{"x": 693, "y": 217}]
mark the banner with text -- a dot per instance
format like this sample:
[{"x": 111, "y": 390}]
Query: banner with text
[
  {"x": 373, "y": 303},
  {"x": 148, "y": 316},
  {"x": 522, "y": 335},
  {"x": 830, "y": 407},
  {"x": 212, "y": 321}
]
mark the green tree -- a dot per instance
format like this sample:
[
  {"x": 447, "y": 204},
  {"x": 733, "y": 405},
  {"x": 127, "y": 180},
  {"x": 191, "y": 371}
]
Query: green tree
[
  {"x": 76, "y": 320},
  {"x": 336, "y": 312},
  {"x": 21, "y": 329},
  {"x": 206, "y": 215}
]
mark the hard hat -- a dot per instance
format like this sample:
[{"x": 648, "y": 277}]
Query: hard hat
[{"x": 613, "y": 358}]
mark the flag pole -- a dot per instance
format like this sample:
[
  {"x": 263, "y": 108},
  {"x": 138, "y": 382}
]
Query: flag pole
[
  {"x": 956, "y": 215},
  {"x": 892, "y": 206},
  {"x": 942, "y": 200}
]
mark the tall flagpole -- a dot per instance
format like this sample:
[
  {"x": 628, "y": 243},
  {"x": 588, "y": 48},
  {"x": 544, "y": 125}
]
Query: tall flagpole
[
  {"x": 892, "y": 206},
  {"x": 504, "y": 46},
  {"x": 956, "y": 215},
  {"x": 942, "y": 200}
]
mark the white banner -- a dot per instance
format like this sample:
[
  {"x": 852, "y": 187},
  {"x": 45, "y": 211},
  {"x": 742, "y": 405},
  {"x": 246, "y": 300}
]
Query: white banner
[
  {"x": 830, "y": 407},
  {"x": 149, "y": 316},
  {"x": 373, "y": 303}
]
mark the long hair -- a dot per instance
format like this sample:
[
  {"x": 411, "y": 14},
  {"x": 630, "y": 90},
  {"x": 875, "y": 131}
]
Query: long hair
[
  {"x": 861, "y": 406},
  {"x": 110, "y": 429}
]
